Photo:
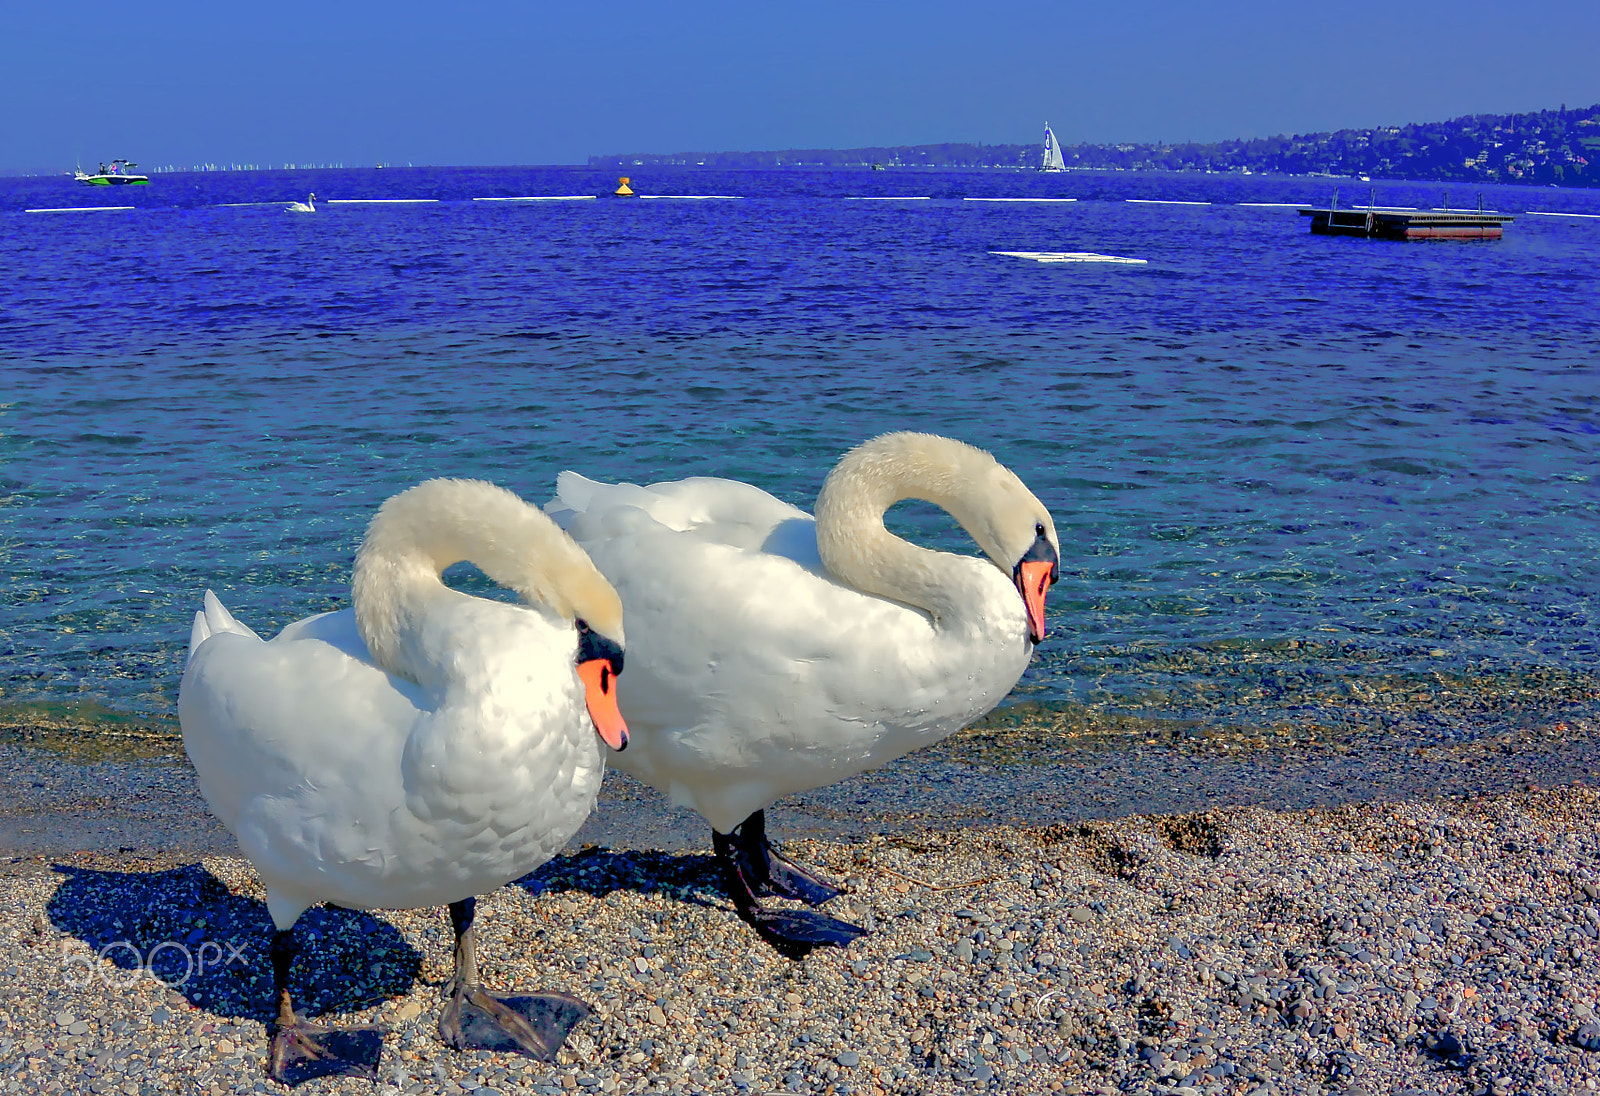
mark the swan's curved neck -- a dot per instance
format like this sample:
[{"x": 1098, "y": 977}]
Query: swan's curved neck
[
  {"x": 857, "y": 548},
  {"x": 420, "y": 532}
]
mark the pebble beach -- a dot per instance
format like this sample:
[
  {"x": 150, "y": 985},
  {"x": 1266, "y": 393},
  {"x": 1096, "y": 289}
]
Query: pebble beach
[{"x": 1428, "y": 945}]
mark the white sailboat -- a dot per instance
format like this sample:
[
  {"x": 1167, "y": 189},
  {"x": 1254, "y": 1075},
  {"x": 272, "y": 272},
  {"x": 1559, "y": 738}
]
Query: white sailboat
[{"x": 1053, "y": 160}]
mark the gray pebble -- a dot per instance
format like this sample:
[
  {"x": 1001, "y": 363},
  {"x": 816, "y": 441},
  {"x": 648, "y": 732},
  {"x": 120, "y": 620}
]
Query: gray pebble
[{"x": 1094, "y": 992}]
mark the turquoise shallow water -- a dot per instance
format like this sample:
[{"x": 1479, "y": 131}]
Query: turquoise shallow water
[{"x": 1297, "y": 478}]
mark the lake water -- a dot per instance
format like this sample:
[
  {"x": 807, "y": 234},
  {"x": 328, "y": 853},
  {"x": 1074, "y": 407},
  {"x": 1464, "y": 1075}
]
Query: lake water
[{"x": 1298, "y": 479}]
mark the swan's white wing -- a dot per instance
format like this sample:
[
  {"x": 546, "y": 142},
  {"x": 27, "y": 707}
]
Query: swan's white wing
[
  {"x": 297, "y": 745},
  {"x": 295, "y": 717},
  {"x": 716, "y": 511}
]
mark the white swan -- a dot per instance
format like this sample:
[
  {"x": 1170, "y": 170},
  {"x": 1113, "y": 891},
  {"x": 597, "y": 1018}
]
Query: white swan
[
  {"x": 307, "y": 206},
  {"x": 772, "y": 653},
  {"x": 418, "y": 749}
]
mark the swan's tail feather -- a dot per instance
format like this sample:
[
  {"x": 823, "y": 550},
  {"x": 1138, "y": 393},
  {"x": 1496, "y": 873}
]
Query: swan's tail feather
[
  {"x": 197, "y": 635},
  {"x": 211, "y": 620},
  {"x": 574, "y": 493},
  {"x": 577, "y": 495}
]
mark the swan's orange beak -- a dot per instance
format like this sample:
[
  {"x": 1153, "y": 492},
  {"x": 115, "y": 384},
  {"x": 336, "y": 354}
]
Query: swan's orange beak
[
  {"x": 600, "y": 694},
  {"x": 1033, "y": 582},
  {"x": 1034, "y": 574}
]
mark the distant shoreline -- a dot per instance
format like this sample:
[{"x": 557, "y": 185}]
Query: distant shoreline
[{"x": 1559, "y": 147}]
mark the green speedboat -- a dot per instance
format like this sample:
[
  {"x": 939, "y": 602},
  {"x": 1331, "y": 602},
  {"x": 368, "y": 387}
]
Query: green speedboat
[{"x": 120, "y": 173}]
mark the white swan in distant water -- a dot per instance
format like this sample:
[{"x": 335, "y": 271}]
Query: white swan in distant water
[
  {"x": 772, "y": 653},
  {"x": 307, "y": 206},
  {"x": 425, "y": 747}
]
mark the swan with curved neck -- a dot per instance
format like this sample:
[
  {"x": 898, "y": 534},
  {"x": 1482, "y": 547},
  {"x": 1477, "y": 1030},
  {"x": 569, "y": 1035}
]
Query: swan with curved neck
[
  {"x": 418, "y": 749},
  {"x": 307, "y": 206},
  {"x": 985, "y": 497},
  {"x": 772, "y": 653},
  {"x": 396, "y": 586}
]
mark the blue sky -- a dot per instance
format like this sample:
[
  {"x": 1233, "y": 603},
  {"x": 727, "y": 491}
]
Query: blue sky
[{"x": 501, "y": 82}]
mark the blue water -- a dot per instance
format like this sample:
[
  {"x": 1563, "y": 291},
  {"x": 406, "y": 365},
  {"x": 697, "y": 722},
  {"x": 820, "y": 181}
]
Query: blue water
[{"x": 1296, "y": 477}]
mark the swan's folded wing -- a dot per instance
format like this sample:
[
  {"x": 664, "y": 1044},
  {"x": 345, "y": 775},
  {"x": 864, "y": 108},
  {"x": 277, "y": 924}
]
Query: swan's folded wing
[
  {"x": 287, "y": 719},
  {"x": 750, "y": 677},
  {"x": 718, "y": 511}
]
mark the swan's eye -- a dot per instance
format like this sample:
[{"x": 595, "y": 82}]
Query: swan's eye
[
  {"x": 1038, "y": 529},
  {"x": 592, "y": 646}
]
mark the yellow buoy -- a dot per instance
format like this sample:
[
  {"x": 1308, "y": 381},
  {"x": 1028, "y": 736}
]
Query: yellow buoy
[{"x": 623, "y": 190}]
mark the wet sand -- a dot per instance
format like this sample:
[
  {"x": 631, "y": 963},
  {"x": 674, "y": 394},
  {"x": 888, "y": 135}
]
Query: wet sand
[{"x": 73, "y": 789}]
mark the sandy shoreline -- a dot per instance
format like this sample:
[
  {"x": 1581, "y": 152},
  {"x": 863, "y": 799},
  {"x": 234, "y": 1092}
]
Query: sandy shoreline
[
  {"x": 1428, "y": 945},
  {"x": 74, "y": 788}
]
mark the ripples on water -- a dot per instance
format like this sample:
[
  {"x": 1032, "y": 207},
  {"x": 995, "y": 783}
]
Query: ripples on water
[{"x": 1295, "y": 477}]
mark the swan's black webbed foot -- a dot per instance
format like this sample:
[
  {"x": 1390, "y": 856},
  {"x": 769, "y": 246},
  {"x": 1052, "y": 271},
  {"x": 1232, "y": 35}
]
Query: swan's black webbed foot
[
  {"x": 794, "y": 933},
  {"x": 534, "y": 1024},
  {"x": 751, "y": 866},
  {"x": 770, "y": 872},
  {"x": 303, "y": 1051},
  {"x": 475, "y": 1019}
]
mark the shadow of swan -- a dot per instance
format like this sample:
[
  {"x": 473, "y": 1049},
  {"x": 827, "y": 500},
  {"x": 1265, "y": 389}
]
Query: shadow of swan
[
  {"x": 691, "y": 878},
  {"x": 151, "y": 921}
]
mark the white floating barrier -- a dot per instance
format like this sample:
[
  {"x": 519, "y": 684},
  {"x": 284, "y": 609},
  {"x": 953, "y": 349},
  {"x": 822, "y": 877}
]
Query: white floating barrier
[
  {"x": 694, "y": 197},
  {"x": 894, "y": 198},
  {"x": 1019, "y": 199},
  {"x": 76, "y": 209},
  {"x": 542, "y": 198},
  {"x": 1162, "y": 201},
  {"x": 380, "y": 201},
  {"x": 1585, "y": 216},
  {"x": 1272, "y": 205},
  {"x": 1071, "y": 257}
]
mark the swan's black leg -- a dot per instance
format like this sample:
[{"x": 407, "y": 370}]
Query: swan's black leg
[
  {"x": 475, "y": 1019},
  {"x": 793, "y": 933},
  {"x": 771, "y": 871},
  {"x": 301, "y": 1051}
]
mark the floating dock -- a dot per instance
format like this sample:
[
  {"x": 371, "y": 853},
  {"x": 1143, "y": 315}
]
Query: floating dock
[{"x": 1407, "y": 224}]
